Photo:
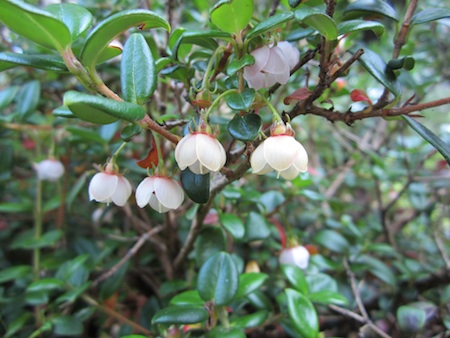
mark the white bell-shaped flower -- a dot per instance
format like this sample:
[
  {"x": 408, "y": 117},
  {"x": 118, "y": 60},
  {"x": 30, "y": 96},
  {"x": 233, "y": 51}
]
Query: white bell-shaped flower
[
  {"x": 297, "y": 255},
  {"x": 109, "y": 186},
  {"x": 201, "y": 153},
  {"x": 272, "y": 65},
  {"x": 49, "y": 170},
  {"x": 160, "y": 192}
]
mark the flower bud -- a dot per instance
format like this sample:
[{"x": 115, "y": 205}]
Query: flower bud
[
  {"x": 49, "y": 170},
  {"x": 161, "y": 193},
  {"x": 297, "y": 255}
]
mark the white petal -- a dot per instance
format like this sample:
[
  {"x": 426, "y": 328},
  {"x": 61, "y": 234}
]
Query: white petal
[
  {"x": 168, "y": 192},
  {"x": 198, "y": 169},
  {"x": 122, "y": 193},
  {"x": 290, "y": 173},
  {"x": 257, "y": 160},
  {"x": 210, "y": 152},
  {"x": 185, "y": 153},
  {"x": 298, "y": 256},
  {"x": 276, "y": 63},
  {"x": 256, "y": 81},
  {"x": 144, "y": 191},
  {"x": 261, "y": 56},
  {"x": 280, "y": 151},
  {"x": 291, "y": 53},
  {"x": 301, "y": 159},
  {"x": 156, "y": 205},
  {"x": 102, "y": 186}
]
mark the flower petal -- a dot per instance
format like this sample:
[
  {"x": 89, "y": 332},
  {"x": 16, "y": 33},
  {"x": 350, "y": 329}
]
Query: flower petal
[
  {"x": 185, "y": 153},
  {"x": 280, "y": 151},
  {"x": 257, "y": 160},
  {"x": 290, "y": 173},
  {"x": 144, "y": 191},
  {"x": 291, "y": 53},
  {"x": 277, "y": 64},
  {"x": 210, "y": 152},
  {"x": 122, "y": 192},
  {"x": 261, "y": 56},
  {"x": 102, "y": 186},
  {"x": 168, "y": 192},
  {"x": 301, "y": 159},
  {"x": 256, "y": 81},
  {"x": 156, "y": 205}
]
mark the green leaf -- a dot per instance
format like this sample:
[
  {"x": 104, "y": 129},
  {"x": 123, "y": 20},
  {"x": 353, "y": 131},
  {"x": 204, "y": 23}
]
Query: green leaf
[
  {"x": 190, "y": 297},
  {"x": 42, "y": 61},
  {"x": 16, "y": 207},
  {"x": 332, "y": 240},
  {"x": 46, "y": 284},
  {"x": 430, "y": 137},
  {"x": 14, "y": 273},
  {"x": 406, "y": 62},
  {"x": 256, "y": 227},
  {"x": 74, "y": 294},
  {"x": 181, "y": 314},
  {"x": 269, "y": 24},
  {"x": 302, "y": 313},
  {"x": 7, "y": 95},
  {"x": 430, "y": 14},
  {"x": 369, "y": 8},
  {"x": 28, "y": 98},
  {"x": 252, "y": 320},
  {"x": 232, "y": 16},
  {"x": 296, "y": 277},
  {"x": 245, "y": 128},
  {"x": 201, "y": 38},
  {"x": 328, "y": 297},
  {"x": 17, "y": 324},
  {"x": 236, "y": 65},
  {"x": 233, "y": 224},
  {"x": 137, "y": 70},
  {"x": 101, "y": 110},
  {"x": 241, "y": 101},
  {"x": 76, "y": 18},
  {"x": 218, "y": 279},
  {"x": 222, "y": 332},
  {"x": 35, "y": 24},
  {"x": 379, "y": 269},
  {"x": 324, "y": 24},
  {"x": 27, "y": 240},
  {"x": 67, "y": 326},
  {"x": 110, "y": 285},
  {"x": 375, "y": 65},
  {"x": 210, "y": 241},
  {"x": 351, "y": 26},
  {"x": 108, "y": 29},
  {"x": 249, "y": 282},
  {"x": 411, "y": 318},
  {"x": 196, "y": 186}
]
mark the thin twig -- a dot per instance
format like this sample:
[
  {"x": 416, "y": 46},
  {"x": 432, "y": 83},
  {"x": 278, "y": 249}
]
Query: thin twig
[{"x": 347, "y": 313}]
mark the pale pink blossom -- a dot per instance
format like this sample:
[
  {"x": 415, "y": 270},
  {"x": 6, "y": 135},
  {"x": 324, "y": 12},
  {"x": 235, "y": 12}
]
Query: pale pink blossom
[
  {"x": 49, "y": 170},
  {"x": 201, "y": 153},
  {"x": 107, "y": 187},
  {"x": 160, "y": 192},
  {"x": 297, "y": 255}
]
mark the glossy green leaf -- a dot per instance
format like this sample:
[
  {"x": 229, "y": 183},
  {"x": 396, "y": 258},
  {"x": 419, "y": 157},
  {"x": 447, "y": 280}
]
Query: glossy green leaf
[
  {"x": 249, "y": 282},
  {"x": 14, "y": 207},
  {"x": 137, "y": 70},
  {"x": 73, "y": 294},
  {"x": 332, "y": 240},
  {"x": 241, "y": 101},
  {"x": 375, "y": 65},
  {"x": 324, "y": 24},
  {"x": 236, "y": 65},
  {"x": 233, "y": 224},
  {"x": 17, "y": 324},
  {"x": 130, "y": 131},
  {"x": 245, "y": 128},
  {"x": 41, "y": 61},
  {"x": 411, "y": 318},
  {"x": 430, "y": 14},
  {"x": 320, "y": 281},
  {"x": 256, "y": 227},
  {"x": 351, "y": 26},
  {"x": 7, "y": 95},
  {"x": 28, "y": 98},
  {"x": 77, "y": 18},
  {"x": 222, "y": 332},
  {"x": 232, "y": 16},
  {"x": 46, "y": 284},
  {"x": 371, "y": 8},
  {"x": 110, "y": 285},
  {"x": 179, "y": 72},
  {"x": 108, "y": 29},
  {"x": 67, "y": 326},
  {"x": 63, "y": 111},
  {"x": 37, "y": 297},
  {"x": 430, "y": 137},
  {"x": 296, "y": 277},
  {"x": 26, "y": 240},
  {"x": 201, "y": 38},
  {"x": 302, "y": 314},
  {"x": 328, "y": 297},
  {"x": 35, "y": 24},
  {"x": 379, "y": 269},
  {"x": 218, "y": 279},
  {"x": 190, "y": 297},
  {"x": 269, "y": 24},
  {"x": 14, "y": 272},
  {"x": 101, "y": 110},
  {"x": 196, "y": 186},
  {"x": 254, "y": 319},
  {"x": 181, "y": 314},
  {"x": 210, "y": 241}
]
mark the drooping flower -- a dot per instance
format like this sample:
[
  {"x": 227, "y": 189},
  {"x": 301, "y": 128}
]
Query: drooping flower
[
  {"x": 272, "y": 65},
  {"x": 297, "y": 255},
  {"x": 109, "y": 186},
  {"x": 280, "y": 152},
  {"x": 160, "y": 192},
  {"x": 201, "y": 153},
  {"x": 49, "y": 170}
]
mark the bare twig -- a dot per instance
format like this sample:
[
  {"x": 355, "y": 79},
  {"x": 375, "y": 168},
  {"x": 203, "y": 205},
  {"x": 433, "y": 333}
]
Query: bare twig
[
  {"x": 273, "y": 7},
  {"x": 347, "y": 313}
]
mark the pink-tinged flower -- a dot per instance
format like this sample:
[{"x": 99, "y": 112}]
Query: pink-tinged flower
[
  {"x": 161, "y": 193},
  {"x": 272, "y": 65},
  {"x": 201, "y": 153},
  {"x": 297, "y": 255},
  {"x": 280, "y": 152},
  {"x": 49, "y": 170},
  {"x": 109, "y": 186}
]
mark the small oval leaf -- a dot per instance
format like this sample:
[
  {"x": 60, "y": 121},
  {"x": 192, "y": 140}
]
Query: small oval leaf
[
  {"x": 371, "y": 7},
  {"x": 269, "y": 24},
  {"x": 196, "y": 186},
  {"x": 296, "y": 277},
  {"x": 41, "y": 61},
  {"x": 302, "y": 313},
  {"x": 245, "y": 128},
  {"x": 351, "y": 26},
  {"x": 232, "y": 16},
  {"x": 324, "y": 24}
]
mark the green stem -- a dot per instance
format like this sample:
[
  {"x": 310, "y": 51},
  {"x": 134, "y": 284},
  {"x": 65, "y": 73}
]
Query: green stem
[
  {"x": 37, "y": 228},
  {"x": 275, "y": 115},
  {"x": 223, "y": 316},
  {"x": 206, "y": 82},
  {"x": 161, "y": 168},
  {"x": 217, "y": 101},
  {"x": 117, "y": 152}
]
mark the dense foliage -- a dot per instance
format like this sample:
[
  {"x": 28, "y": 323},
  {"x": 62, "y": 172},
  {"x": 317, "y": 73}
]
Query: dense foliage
[{"x": 236, "y": 168}]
